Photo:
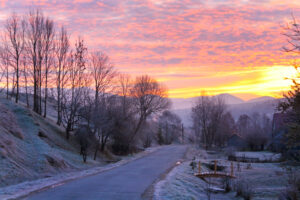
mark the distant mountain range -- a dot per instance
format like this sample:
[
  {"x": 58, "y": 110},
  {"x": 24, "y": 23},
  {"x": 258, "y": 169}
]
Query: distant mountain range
[
  {"x": 181, "y": 103},
  {"x": 263, "y": 105}
]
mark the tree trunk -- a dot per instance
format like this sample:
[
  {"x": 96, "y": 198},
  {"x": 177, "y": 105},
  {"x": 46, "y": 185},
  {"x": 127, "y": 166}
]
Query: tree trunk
[
  {"x": 7, "y": 80},
  {"x": 96, "y": 150},
  {"x": 58, "y": 107},
  {"x": 13, "y": 87},
  {"x": 26, "y": 87},
  {"x": 35, "y": 91},
  {"x": 68, "y": 129},
  {"x": 40, "y": 91},
  {"x": 46, "y": 96},
  {"x": 17, "y": 95},
  {"x": 136, "y": 130},
  {"x": 103, "y": 145}
]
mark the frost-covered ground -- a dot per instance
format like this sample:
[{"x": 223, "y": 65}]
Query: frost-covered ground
[
  {"x": 266, "y": 180},
  {"x": 181, "y": 184},
  {"x": 25, "y": 154},
  {"x": 262, "y": 156}
]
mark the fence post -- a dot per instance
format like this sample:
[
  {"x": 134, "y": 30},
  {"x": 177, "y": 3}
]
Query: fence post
[
  {"x": 199, "y": 167},
  {"x": 215, "y": 166},
  {"x": 231, "y": 174}
]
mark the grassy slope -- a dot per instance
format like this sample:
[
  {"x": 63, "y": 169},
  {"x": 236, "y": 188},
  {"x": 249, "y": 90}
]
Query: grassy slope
[{"x": 30, "y": 156}]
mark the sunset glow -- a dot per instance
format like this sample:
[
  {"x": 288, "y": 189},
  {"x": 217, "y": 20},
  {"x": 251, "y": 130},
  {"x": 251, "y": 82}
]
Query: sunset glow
[{"x": 220, "y": 46}]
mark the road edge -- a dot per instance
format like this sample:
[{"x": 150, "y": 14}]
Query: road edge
[{"x": 148, "y": 194}]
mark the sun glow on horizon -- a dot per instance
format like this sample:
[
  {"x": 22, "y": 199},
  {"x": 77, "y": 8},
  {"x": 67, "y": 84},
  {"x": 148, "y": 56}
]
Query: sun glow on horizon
[{"x": 268, "y": 81}]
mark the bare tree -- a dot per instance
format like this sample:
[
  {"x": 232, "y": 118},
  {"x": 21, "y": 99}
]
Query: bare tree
[
  {"x": 170, "y": 125},
  {"x": 15, "y": 31},
  {"x": 243, "y": 125},
  {"x": 292, "y": 33},
  {"x": 48, "y": 39},
  {"x": 35, "y": 52},
  {"x": 5, "y": 60},
  {"x": 25, "y": 74},
  {"x": 149, "y": 98},
  {"x": 207, "y": 114},
  {"x": 258, "y": 132},
  {"x": 73, "y": 98},
  {"x": 103, "y": 73},
  {"x": 125, "y": 86},
  {"x": 62, "y": 46},
  {"x": 226, "y": 128},
  {"x": 83, "y": 135},
  {"x": 106, "y": 120},
  {"x": 124, "y": 115}
]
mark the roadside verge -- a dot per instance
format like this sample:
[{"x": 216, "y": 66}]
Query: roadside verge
[{"x": 26, "y": 188}]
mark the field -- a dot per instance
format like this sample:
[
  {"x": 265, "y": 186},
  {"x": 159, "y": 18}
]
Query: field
[{"x": 267, "y": 179}]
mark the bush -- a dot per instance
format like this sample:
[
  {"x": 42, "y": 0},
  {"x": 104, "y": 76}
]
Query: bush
[
  {"x": 227, "y": 184},
  {"x": 193, "y": 164},
  {"x": 244, "y": 190},
  {"x": 294, "y": 180},
  {"x": 120, "y": 148},
  {"x": 292, "y": 191}
]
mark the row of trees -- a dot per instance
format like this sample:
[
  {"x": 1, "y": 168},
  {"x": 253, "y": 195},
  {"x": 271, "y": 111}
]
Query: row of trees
[
  {"x": 214, "y": 125},
  {"x": 28, "y": 55},
  {"x": 40, "y": 63},
  {"x": 208, "y": 114},
  {"x": 255, "y": 129}
]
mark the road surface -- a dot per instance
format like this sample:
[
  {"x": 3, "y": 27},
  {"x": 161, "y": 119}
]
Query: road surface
[{"x": 125, "y": 182}]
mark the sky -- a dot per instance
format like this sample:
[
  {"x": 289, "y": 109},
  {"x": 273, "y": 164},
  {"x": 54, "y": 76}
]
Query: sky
[{"x": 217, "y": 46}]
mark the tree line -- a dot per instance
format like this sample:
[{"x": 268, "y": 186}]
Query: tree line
[
  {"x": 92, "y": 100},
  {"x": 214, "y": 125}
]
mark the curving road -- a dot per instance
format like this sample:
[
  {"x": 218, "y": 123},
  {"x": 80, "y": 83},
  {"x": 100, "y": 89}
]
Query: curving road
[{"x": 125, "y": 182}]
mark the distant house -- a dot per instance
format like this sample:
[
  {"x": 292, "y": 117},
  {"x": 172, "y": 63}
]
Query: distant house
[{"x": 237, "y": 142}]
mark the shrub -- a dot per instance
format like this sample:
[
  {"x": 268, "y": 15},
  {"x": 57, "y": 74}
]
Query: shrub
[
  {"x": 193, "y": 164},
  {"x": 227, "y": 184},
  {"x": 292, "y": 191},
  {"x": 244, "y": 190}
]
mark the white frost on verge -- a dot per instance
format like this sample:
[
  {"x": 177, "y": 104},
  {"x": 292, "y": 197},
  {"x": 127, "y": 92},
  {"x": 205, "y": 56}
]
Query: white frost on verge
[
  {"x": 180, "y": 183},
  {"x": 267, "y": 180}
]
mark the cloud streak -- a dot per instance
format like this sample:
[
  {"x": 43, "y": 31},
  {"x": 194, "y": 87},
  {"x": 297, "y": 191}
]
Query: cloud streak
[{"x": 185, "y": 43}]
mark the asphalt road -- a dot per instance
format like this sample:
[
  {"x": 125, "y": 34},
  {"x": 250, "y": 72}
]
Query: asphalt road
[{"x": 125, "y": 182}]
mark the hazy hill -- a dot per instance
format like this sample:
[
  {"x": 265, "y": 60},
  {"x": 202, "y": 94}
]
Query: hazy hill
[
  {"x": 230, "y": 99},
  {"x": 263, "y": 105},
  {"x": 260, "y": 99},
  {"x": 267, "y": 107},
  {"x": 183, "y": 103}
]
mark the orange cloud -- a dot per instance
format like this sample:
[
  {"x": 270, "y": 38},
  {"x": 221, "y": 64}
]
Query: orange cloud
[{"x": 221, "y": 46}]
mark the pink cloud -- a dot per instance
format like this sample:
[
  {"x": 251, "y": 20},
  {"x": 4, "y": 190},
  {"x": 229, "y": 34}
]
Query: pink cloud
[{"x": 172, "y": 39}]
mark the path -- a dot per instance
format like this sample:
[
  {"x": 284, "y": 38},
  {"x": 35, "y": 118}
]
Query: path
[{"x": 125, "y": 182}]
